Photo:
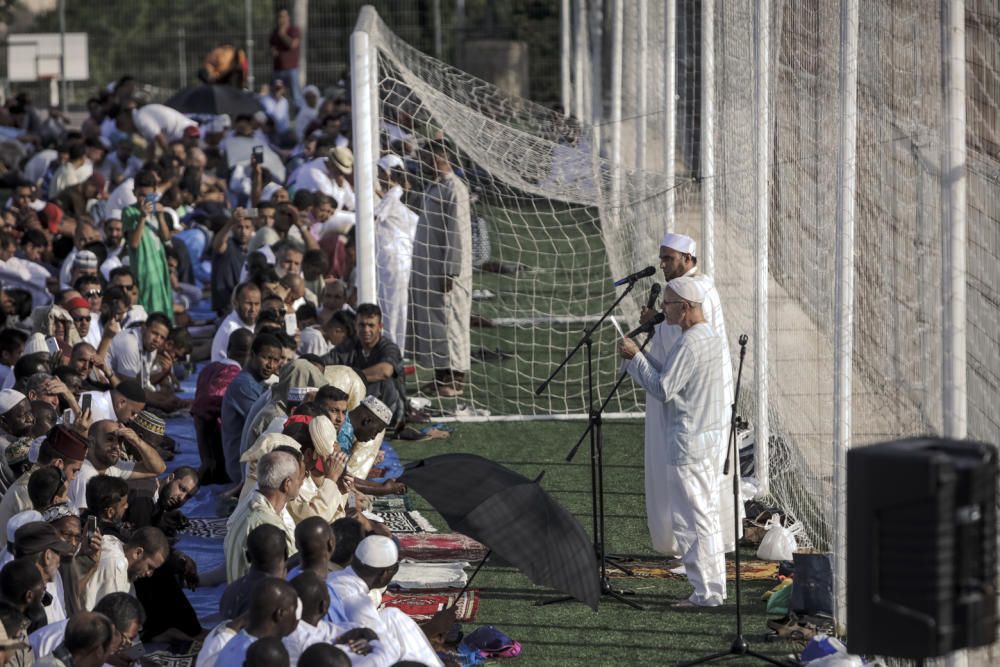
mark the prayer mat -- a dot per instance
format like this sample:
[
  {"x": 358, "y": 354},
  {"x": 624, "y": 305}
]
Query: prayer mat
[
  {"x": 421, "y": 606},
  {"x": 165, "y": 659},
  {"x": 406, "y": 522},
  {"x": 430, "y": 576},
  {"x": 752, "y": 570},
  {"x": 440, "y": 547},
  {"x": 391, "y": 504},
  {"x": 206, "y": 527}
]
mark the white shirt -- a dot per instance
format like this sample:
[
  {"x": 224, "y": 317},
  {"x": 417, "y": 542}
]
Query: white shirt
[
  {"x": 26, "y": 270},
  {"x": 154, "y": 119},
  {"x": 56, "y": 611},
  {"x": 277, "y": 109},
  {"x": 127, "y": 357},
  {"x": 101, "y": 406},
  {"x": 78, "y": 487},
  {"x": 123, "y": 196},
  {"x": 215, "y": 641},
  {"x": 220, "y": 342},
  {"x": 94, "y": 333},
  {"x": 111, "y": 573},
  {"x": 689, "y": 391},
  {"x": 305, "y": 635}
]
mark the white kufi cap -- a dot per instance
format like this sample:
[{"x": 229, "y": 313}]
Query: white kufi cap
[
  {"x": 35, "y": 344},
  {"x": 390, "y": 161},
  {"x": 689, "y": 289},
  {"x": 680, "y": 243},
  {"x": 8, "y": 399},
  {"x": 21, "y": 519},
  {"x": 378, "y": 408},
  {"x": 377, "y": 551}
]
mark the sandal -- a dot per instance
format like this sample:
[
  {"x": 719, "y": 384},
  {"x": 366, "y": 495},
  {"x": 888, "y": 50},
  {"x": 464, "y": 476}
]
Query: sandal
[{"x": 791, "y": 628}]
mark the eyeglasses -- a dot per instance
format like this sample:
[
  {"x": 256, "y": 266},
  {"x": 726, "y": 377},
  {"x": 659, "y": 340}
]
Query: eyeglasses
[
  {"x": 81, "y": 318},
  {"x": 131, "y": 286},
  {"x": 90, "y": 294}
]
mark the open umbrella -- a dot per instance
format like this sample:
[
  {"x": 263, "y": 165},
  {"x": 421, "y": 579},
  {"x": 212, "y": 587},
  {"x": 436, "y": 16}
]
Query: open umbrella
[
  {"x": 215, "y": 99},
  {"x": 513, "y": 516}
]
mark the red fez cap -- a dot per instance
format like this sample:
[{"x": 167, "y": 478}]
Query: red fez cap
[
  {"x": 77, "y": 302},
  {"x": 68, "y": 443}
]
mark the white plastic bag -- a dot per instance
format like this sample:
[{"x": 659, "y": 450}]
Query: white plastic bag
[{"x": 778, "y": 543}]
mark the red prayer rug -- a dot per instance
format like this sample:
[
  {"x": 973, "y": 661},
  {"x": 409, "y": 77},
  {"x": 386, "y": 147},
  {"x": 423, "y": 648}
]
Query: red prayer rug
[
  {"x": 440, "y": 547},
  {"x": 424, "y": 604}
]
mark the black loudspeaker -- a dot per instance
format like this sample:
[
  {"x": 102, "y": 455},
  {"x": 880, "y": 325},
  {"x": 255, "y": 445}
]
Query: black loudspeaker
[{"x": 921, "y": 547}]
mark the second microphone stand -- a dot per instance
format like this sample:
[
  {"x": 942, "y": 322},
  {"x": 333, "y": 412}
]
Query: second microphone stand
[{"x": 594, "y": 429}]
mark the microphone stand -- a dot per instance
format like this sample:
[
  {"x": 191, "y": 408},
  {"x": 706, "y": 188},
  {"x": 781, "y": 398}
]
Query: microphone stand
[
  {"x": 740, "y": 646},
  {"x": 596, "y": 448}
]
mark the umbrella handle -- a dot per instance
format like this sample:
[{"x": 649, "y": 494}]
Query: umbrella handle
[{"x": 469, "y": 580}]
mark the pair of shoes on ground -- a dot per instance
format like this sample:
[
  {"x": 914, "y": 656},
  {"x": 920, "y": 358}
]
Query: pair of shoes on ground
[{"x": 446, "y": 389}]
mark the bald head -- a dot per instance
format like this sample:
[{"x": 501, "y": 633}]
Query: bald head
[
  {"x": 272, "y": 608},
  {"x": 314, "y": 539},
  {"x": 324, "y": 655},
  {"x": 314, "y": 595},
  {"x": 266, "y": 548},
  {"x": 267, "y": 652}
]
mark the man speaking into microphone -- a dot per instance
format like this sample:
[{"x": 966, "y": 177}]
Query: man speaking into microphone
[
  {"x": 679, "y": 258},
  {"x": 682, "y": 487}
]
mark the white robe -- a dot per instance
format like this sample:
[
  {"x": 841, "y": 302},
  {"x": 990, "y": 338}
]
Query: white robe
[
  {"x": 395, "y": 229},
  {"x": 683, "y": 459},
  {"x": 656, "y": 352},
  {"x": 390, "y": 624},
  {"x": 305, "y": 635}
]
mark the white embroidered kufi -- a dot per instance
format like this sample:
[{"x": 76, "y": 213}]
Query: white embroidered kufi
[{"x": 378, "y": 408}]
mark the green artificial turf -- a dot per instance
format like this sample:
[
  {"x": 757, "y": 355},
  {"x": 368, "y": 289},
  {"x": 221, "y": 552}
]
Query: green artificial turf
[{"x": 570, "y": 633}]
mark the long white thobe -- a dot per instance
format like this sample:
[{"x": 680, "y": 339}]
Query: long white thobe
[
  {"x": 390, "y": 624},
  {"x": 656, "y": 352},
  {"x": 683, "y": 458},
  {"x": 395, "y": 229}
]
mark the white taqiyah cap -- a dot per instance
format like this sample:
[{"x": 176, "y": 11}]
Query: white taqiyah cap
[
  {"x": 378, "y": 408},
  {"x": 8, "y": 399},
  {"x": 35, "y": 343},
  {"x": 680, "y": 243},
  {"x": 269, "y": 190},
  {"x": 21, "y": 519},
  {"x": 323, "y": 435},
  {"x": 377, "y": 551},
  {"x": 689, "y": 289},
  {"x": 390, "y": 161}
]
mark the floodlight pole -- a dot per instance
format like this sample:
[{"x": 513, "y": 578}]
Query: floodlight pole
[
  {"x": 62, "y": 55},
  {"x": 364, "y": 109},
  {"x": 670, "y": 103}
]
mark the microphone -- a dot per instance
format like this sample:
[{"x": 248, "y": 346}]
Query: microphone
[
  {"x": 647, "y": 327},
  {"x": 645, "y": 273},
  {"x": 654, "y": 292}
]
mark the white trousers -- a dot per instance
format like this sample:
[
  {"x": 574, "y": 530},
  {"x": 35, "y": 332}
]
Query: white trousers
[{"x": 695, "y": 511}]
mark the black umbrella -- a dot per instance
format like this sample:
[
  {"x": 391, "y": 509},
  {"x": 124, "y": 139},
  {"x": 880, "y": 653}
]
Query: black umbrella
[
  {"x": 215, "y": 99},
  {"x": 513, "y": 516}
]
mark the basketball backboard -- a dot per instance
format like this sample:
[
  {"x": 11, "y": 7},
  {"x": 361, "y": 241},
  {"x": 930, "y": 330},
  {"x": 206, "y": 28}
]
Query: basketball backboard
[{"x": 36, "y": 56}]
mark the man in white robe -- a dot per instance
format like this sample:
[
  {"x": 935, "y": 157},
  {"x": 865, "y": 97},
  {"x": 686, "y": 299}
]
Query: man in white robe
[
  {"x": 395, "y": 229},
  {"x": 441, "y": 280},
  {"x": 687, "y": 391},
  {"x": 678, "y": 257},
  {"x": 375, "y": 562}
]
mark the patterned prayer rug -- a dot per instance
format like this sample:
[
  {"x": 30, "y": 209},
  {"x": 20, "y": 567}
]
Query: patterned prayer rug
[
  {"x": 164, "y": 659},
  {"x": 753, "y": 570},
  {"x": 206, "y": 527},
  {"x": 424, "y": 604},
  {"x": 391, "y": 504},
  {"x": 440, "y": 547},
  {"x": 406, "y": 522}
]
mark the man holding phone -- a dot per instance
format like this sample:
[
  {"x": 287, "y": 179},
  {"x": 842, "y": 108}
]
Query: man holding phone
[{"x": 146, "y": 232}]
